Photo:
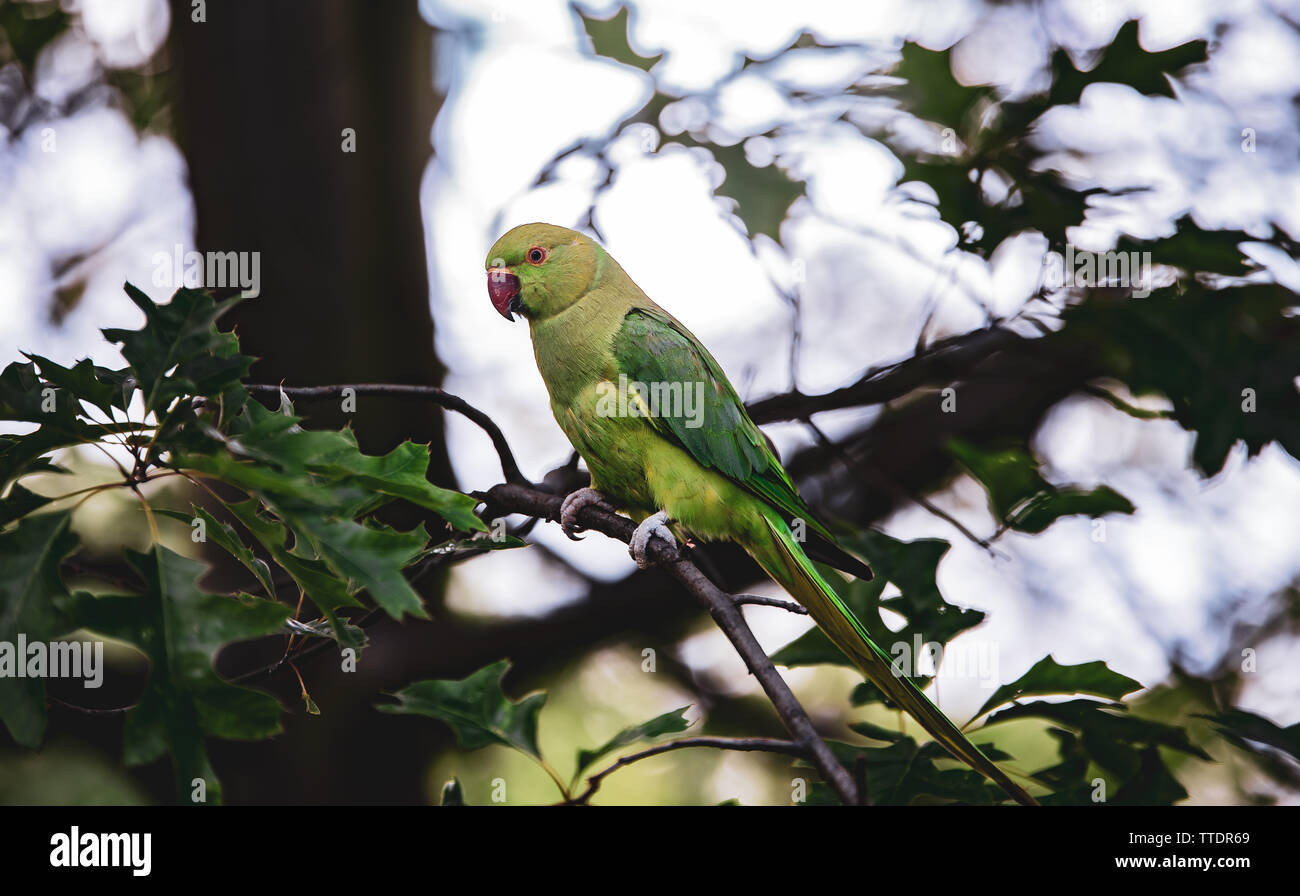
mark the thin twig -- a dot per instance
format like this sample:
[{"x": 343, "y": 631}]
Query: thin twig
[
  {"x": 743, "y": 744},
  {"x": 440, "y": 397},
  {"x": 1120, "y": 404},
  {"x": 759, "y": 601},
  {"x": 89, "y": 710},
  {"x": 944, "y": 361},
  {"x": 893, "y": 488}
]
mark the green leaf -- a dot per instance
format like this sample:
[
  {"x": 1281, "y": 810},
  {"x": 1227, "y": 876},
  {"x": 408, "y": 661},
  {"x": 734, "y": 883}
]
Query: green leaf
[
  {"x": 1239, "y": 726},
  {"x": 1021, "y": 498},
  {"x": 313, "y": 577},
  {"x": 1225, "y": 359},
  {"x": 180, "y": 628},
  {"x": 1151, "y": 785},
  {"x": 912, "y": 567},
  {"x": 28, "y": 28},
  {"x": 1041, "y": 199},
  {"x": 26, "y": 397},
  {"x": 668, "y": 723},
  {"x": 296, "y": 462},
  {"x": 1068, "y": 779},
  {"x": 476, "y": 709},
  {"x": 1109, "y": 734},
  {"x": 313, "y": 481},
  {"x": 402, "y": 473},
  {"x": 369, "y": 557},
  {"x": 609, "y": 38},
  {"x": 224, "y": 535},
  {"x": 1150, "y": 782},
  {"x": 1196, "y": 250},
  {"x": 307, "y": 702},
  {"x": 763, "y": 196},
  {"x": 182, "y": 335},
  {"x": 476, "y": 545},
  {"x": 903, "y": 773},
  {"x": 1124, "y": 62},
  {"x": 1047, "y": 676},
  {"x": 82, "y": 381},
  {"x": 876, "y": 732},
  {"x": 931, "y": 91},
  {"x": 20, "y": 502},
  {"x": 31, "y": 597}
]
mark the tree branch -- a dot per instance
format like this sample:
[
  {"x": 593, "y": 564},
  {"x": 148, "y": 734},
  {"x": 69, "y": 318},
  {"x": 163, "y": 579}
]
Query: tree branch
[
  {"x": 509, "y": 466},
  {"x": 743, "y": 744},
  {"x": 758, "y": 600},
  {"x": 1009, "y": 382},
  {"x": 721, "y": 606},
  {"x": 944, "y": 361}
]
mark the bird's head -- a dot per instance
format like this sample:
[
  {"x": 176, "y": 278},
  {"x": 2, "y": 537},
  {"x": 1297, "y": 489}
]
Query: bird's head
[{"x": 538, "y": 270}]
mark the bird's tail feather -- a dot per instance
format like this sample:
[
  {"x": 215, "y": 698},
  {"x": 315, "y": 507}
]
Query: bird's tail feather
[{"x": 785, "y": 561}]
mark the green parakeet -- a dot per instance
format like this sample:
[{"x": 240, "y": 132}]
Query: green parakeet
[{"x": 668, "y": 441}]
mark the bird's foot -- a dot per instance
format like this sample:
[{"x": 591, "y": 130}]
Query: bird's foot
[
  {"x": 576, "y": 501},
  {"x": 651, "y": 526}
]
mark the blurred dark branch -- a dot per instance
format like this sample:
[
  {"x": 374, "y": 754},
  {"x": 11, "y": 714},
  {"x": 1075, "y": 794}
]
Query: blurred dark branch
[
  {"x": 889, "y": 485},
  {"x": 721, "y": 606},
  {"x": 943, "y": 362},
  {"x": 1003, "y": 385},
  {"x": 743, "y": 744},
  {"x": 509, "y": 467}
]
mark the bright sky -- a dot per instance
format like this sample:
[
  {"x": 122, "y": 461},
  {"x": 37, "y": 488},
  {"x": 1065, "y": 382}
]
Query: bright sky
[
  {"x": 1194, "y": 549},
  {"x": 875, "y": 268}
]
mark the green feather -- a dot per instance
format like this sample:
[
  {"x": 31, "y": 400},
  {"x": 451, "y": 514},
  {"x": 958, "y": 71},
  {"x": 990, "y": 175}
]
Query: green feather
[
  {"x": 784, "y": 560},
  {"x": 652, "y": 347}
]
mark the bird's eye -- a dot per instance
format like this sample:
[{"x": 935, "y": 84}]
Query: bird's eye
[{"x": 536, "y": 255}]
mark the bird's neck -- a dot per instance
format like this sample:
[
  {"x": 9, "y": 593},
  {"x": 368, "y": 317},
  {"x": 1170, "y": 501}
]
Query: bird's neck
[{"x": 574, "y": 347}]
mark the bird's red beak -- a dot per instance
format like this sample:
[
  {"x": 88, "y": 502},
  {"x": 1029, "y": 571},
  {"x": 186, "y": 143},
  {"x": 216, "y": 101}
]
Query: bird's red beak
[{"x": 503, "y": 289}]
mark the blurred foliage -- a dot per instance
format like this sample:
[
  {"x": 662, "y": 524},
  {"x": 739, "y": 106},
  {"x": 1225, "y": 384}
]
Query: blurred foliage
[
  {"x": 1021, "y": 498},
  {"x": 1226, "y": 357},
  {"x": 27, "y": 28},
  {"x": 1089, "y": 732},
  {"x": 1241, "y": 727},
  {"x": 308, "y": 499},
  {"x": 479, "y": 712},
  {"x": 911, "y": 567},
  {"x": 1216, "y": 339},
  {"x": 1224, "y": 351},
  {"x": 64, "y": 775}
]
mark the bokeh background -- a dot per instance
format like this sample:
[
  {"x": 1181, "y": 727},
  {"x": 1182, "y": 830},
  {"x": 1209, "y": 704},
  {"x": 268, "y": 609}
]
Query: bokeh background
[{"x": 748, "y": 164}]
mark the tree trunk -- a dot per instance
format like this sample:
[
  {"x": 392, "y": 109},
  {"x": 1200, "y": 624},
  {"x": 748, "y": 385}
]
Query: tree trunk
[{"x": 267, "y": 93}]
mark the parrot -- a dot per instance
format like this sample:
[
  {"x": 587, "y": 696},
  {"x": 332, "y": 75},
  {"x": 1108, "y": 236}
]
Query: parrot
[{"x": 701, "y": 468}]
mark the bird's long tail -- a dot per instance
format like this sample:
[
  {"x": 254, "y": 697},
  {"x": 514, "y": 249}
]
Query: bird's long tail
[{"x": 785, "y": 561}]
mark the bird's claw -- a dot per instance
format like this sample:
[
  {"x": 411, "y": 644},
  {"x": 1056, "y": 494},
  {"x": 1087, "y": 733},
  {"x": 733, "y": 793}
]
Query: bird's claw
[
  {"x": 657, "y": 524},
  {"x": 573, "y": 504}
]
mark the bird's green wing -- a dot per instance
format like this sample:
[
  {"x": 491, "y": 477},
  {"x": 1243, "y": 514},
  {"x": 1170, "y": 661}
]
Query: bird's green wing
[{"x": 653, "y": 348}]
